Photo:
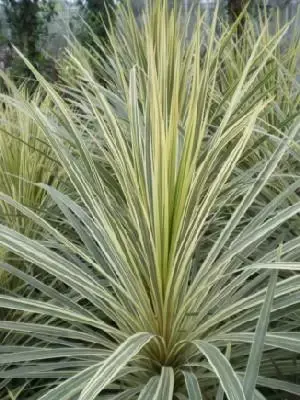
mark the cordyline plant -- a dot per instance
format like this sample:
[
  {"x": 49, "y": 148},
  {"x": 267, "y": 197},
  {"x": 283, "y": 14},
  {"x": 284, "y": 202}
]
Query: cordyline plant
[
  {"x": 276, "y": 78},
  {"x": 170, "y": 289},
  {"x": 25, "y": 159},
  {"x": 282, "y": 70}
]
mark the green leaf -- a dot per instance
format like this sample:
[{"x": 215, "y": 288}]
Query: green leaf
[
  {"x": 222, "y": 368},
  {"x": 220, "y": 392},
  {"x": 112, "y": 365},
  {"x": 125, "y": 395},
  {"x": 282, "y": 340},
  {"x": 159, "y": 387},
  {"x": 49, "y": 353},
  {"x": 276, "y": 384},
  {"x": 48, "y": 290},
  {"x": 256, "y": 352},
  {"x": 49, "y": 330},
  {"x": 150, "y": 388},
  {"x": 165, "y": 386},
  {"x": 192, "y": 386},
  {"x": 71, "y": 386},
  {"x": 288, "y": 266}
]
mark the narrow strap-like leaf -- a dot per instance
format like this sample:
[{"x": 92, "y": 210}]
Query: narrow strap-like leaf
[
  {"x": 281, "y": 340},
  {"x": 159, "y": 387},
  {"x": 108, "y": 371},
  {"x": 149, "y": 389},
  {"x": 259, "y": 340},
  {"x": 224, "y": 371},
  {"x": 125, "y": 395},
  {"x": 165, "y": 387},
  {"x": 220, "y": 392},
  {"x": 192, "y": 386},
  {"x": 49, "y": 330},
  {"x": 276, "y": 384},
  {"x": 71, "y": 386}
]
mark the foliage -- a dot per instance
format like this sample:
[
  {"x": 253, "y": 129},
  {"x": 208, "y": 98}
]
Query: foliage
[
  {"x": 168, "y": 287},
  {"x": 235, "y": 8},
  {"x": 25, "y": 160},
  {"x": 96, "y": 15},
  {"x": 27, "y": 21}
]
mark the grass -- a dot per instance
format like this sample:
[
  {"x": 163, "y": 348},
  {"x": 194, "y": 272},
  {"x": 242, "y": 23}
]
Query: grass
[{"x": 180, "y": 264}]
